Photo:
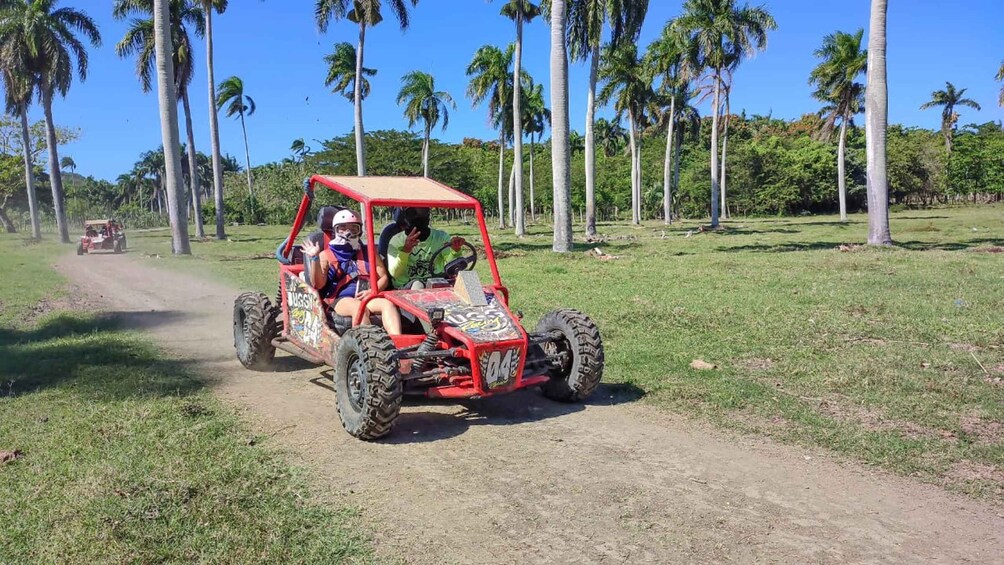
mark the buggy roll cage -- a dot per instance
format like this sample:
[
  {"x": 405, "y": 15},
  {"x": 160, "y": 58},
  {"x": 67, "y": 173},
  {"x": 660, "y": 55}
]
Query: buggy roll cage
[{"x": 342, "y": 185}]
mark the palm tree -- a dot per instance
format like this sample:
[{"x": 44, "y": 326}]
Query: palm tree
[
  {"x": 1000, "y": 77},
  {"x": 365, "y": 13},
  {"x": 611, "y": 136},
  {"x": 843, "y": 61},
  {"x": 342, "y": 72},
  {"x": 231, "y": 94},
  {"x": 300, "y": 149},
  {"x": 627, "y": 82},
  {"x": 139, "y": 39},
  {"x": 586, "y": 19},
  {"x": 491, "y": 82},
  {"x": 536, "y": 119},
  {"x": 665, "y": 57},
  {"x": 521, "y": 12},
  {"x": 18, "y": 90},
  {"x": 38, "y": 40},
  {"x": 876, "y": 123},
  {"x": 559, "y": 130},
  {"x": 423, "y": 102},
  {"x": 720, "y": 34},
  {"x": 208, "y": 7},
  {"x": 169, "y": 126},
  {"x": 949, "y": 99}
]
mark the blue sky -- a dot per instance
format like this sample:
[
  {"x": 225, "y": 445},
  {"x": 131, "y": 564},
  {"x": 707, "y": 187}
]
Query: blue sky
[{"x": 275, "y": 47}]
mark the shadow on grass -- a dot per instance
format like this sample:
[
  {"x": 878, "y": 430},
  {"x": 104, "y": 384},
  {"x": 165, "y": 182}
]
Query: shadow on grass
[
  {"x": 421, "y": 426},
  {"x": 93, "y": 355},
  {"x": 780, "y": 247},
  {"x": 949, "y": 246}
]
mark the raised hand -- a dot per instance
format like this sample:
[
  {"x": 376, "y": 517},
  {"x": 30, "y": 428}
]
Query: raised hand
[
  {"x": 411, "y": 241},
  {"x": 457, "y": 242},
  {"x": 310, "y": 249}
]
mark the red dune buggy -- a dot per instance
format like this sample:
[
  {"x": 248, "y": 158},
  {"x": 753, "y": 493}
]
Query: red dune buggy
[
  {"x": 463, "y": 340},
  {"x": 101, "y": 235}
]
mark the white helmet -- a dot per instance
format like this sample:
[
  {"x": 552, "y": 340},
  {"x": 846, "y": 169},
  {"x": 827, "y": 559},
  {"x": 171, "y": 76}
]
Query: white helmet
[{"x": 344, "y": 217}]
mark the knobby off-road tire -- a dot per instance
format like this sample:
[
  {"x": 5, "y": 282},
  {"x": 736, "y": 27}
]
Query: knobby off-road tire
[
  {"x": 581, "y": 374},
  {"x": 123, "y": 240},
  {"x": 368, "y": 390},
  {"x": 80, "y": 249},
  {"x": 117, "y": 246},
  {"x": 254, "y": 330}
]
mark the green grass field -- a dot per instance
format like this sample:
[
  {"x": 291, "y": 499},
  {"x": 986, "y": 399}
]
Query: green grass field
[
  {"x": 894, "y": 357},
  {"x": 125, "y": 457}
]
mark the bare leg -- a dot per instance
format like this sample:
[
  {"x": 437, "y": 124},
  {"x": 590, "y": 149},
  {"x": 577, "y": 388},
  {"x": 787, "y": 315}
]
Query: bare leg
[
  {"x": 388, "y": 312},
  {"x": 349, "y": 307}
]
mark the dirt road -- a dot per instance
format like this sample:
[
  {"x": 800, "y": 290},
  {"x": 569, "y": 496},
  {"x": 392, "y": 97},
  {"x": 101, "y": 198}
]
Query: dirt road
[{"x": 523, "y": 480}]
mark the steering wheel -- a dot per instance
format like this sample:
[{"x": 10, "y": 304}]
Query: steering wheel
[{"x": 465, "y": 263}]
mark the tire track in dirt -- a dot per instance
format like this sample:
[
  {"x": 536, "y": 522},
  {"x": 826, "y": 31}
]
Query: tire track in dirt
[{"x": 520, "y": 479}]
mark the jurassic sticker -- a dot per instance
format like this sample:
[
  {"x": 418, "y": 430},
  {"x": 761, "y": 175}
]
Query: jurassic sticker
[
  {"x": 304, "y": 321},
  {"x": 484, "y": 324}
]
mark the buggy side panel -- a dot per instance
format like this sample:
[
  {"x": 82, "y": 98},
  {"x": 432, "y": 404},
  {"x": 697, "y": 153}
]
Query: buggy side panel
[{"x": 303, "y": 315}]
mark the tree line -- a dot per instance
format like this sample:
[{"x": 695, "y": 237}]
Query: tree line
[{"x": 653, "y": 90}]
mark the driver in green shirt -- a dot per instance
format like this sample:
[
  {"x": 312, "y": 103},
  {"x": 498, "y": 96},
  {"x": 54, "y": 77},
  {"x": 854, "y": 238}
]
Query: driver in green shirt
[{"x": 409, "y": 252}]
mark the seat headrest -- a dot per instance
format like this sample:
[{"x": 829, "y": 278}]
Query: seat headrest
[{"x": 325, "y": 215}]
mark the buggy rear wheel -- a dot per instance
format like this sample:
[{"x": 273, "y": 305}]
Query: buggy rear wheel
[
  {"x": 367, "y": 388},
  {"x": 254, "y": 330},
  {"x": 581, "y": 349}
]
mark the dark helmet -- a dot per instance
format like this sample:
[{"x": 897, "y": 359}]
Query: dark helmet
[{"x": 413, "y": 218}]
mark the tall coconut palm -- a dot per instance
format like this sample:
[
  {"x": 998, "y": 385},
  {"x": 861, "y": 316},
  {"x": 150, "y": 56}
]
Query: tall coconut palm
[
  {"x": 1000, "y": 77},
  {"x": 948, "y": 99},
  {"x": 610, "y": 136},
  {"x": 521, "y": 12},
  {"x": 627, "y": 82},
  {"x": 491, "y": 82},
  {"x": 231, "y": 94},
  {"x": 423, "y": 102},
  {"x": 342, "y": 72},
  {"x": 586, "y": 20},
  {"x": 18, "y": 89},
  {"x": 300, "y": 149},
  {"x": 536, "y": 119},
  {"x": 364, "y": 13},
  {"x": 166, "y": 77},
  {"x": 208, "y": 7},
  {"x": 666, "y": 57},
  {"x": 843, "y": 61},
  {"x": 40, "y": 40},
  {"x": 559, "y": 129},
  {"x": 139, "y": 40},
  {"x": 720, "y": 34},
  {"x": 876, "y": 124}
]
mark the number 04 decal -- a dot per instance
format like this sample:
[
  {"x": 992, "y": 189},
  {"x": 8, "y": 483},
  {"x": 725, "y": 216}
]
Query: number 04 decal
[{"x": 499, "y": 367}]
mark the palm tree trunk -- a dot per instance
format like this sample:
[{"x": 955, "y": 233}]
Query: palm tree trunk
[
  {"x": 358, "y": 100},
  {"x": 169, "y": 129},
  {"x": 247, "y": 157},
  {"x": 501, "y": 180},
  {"x": 714, "y": 150},
  {"x": 594, "y": 65},
  {"x": 876, "y": 121},
  {"x": 533, "y": 211},
  {"x": 635, "y": 216},
  {"x": 193, "y": 171},
  {"x": 55, "y": 177},
  {"x": 517, "y": 128},
  {"x": 29, "y": 173},
  {"x": 841, "y": 174},
  {"x": 676, "y": 165},
  {"x": 725, "y": 145},
  {"x": 559, "y": 130},
  {"x": 425, "y": 151},
  {"x": 214, "y": 128},
  {"x": 512, "y": 209},
  {"x": 667, "y": 171}
]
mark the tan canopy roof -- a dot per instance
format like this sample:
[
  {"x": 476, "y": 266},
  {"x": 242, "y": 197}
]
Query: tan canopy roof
[
  {"x": 95, "y": 222},
  {"x": 394, "y": 190}
]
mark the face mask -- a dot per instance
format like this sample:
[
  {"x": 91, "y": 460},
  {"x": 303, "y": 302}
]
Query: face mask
[{"x": 346, "y": 238}]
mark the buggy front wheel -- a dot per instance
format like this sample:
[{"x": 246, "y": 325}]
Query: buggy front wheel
[
  {"x": 580, "y": 351},
  {"x": 254, "y": 330},
  {"x": 368, "y": 390}
]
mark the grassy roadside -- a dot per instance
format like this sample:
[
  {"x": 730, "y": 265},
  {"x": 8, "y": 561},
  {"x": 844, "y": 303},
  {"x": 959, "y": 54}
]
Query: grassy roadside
[
  {"x": 894, "y": 357},
  {"x": 125, "y": 457}
]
